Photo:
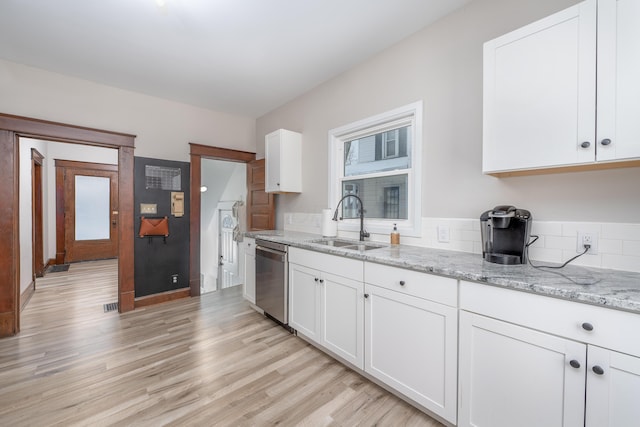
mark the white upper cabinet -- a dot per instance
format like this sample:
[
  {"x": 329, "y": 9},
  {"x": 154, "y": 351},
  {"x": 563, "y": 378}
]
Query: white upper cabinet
[
  {"x": 618, "y": 130},
  {"x": 540, "y": 90},
  {"x": 283, "y": 157}
]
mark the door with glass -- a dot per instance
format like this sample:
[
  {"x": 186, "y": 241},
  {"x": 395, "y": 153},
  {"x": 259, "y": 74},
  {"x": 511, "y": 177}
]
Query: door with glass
[{"x": 90, "y": 212}]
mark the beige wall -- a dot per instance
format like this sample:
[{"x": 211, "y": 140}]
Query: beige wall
[
  {"x": 163, "y": 128},
  {"x": 442, "y": 65}
]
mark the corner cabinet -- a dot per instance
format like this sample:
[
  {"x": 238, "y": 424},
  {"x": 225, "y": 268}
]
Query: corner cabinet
[
  {"x": 283, "y": 157},
  {"x": 530, "y": 360},
  {"x": 249, "y": 253},
  {"x": 540, "y": 90}
]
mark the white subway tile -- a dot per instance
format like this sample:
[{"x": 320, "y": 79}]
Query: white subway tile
[
  {"x": 620, "y": 231},
  {"x": 545, "y": 254},
  {"x": 546, "y": 228},
  {"x": 571, "y": 229},
  {"x": 560, "y": 242},
  {"x": 587, "y": 260},
  {"x": 610, "y": 246},
  {"x": 621, "y": 262},
  {"x": 631, "y": 247}
]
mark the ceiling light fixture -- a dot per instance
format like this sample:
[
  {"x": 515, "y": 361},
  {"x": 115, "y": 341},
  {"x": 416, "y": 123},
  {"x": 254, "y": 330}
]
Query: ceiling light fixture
[{"x": 203, "y": 188}]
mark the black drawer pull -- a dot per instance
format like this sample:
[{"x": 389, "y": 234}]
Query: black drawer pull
[
  {"x": 574, "y": 364},
  {"x": 587, "y": 326},
  {"x": 598, "y": 370},
  {"x": 366, "y": 295},
  {"x": 401, "y": 282}
]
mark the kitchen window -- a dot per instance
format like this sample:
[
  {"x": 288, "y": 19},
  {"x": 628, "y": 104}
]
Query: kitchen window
[{"x": 378, "y": 160}]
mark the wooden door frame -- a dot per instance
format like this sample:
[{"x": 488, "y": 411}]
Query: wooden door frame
[
  {"x": 37, "y": 238},
  {"x": 61, "y": 228},
  {"x": 197, "y": 152},
  {"x": 11, "y": 129}
]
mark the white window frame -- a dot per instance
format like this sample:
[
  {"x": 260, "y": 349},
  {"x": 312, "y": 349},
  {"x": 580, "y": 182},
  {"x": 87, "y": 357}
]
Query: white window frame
[{"x": 410, "y": 114}]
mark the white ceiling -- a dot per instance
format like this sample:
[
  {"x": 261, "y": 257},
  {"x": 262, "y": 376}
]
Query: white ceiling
[{"x": 238, "y": 56}]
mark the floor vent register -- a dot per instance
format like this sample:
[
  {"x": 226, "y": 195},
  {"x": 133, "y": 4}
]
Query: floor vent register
[{"x": 112, "y": 306}]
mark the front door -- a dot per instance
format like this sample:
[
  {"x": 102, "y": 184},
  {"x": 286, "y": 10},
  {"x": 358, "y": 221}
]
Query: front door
[{"x": 89, "y": 210}]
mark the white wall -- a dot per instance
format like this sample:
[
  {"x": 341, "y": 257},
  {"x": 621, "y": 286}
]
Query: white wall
[
  {"x": 163, "y": 128},
  {"x": 442, "y": 65}
]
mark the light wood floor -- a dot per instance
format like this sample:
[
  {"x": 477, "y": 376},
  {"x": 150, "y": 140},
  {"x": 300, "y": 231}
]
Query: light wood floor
[{"x": 198, "y": 361}]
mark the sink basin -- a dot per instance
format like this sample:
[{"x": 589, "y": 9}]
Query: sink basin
[{"x": 353, "y": 245}]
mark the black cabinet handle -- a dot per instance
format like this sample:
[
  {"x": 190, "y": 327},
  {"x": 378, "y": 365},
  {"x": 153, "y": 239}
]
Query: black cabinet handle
[
  {"x": 366, "y": 295},
  {"x": 401, "y": 282},
  {"x": 597, "y": 370},
  {"x": 587, "y": 326},
  {"x": 321, "y": 280},
  {"x": 585, "y": 144},
  {"x": 574, "y": 364},
  {"x": 316, "y": 279},
  {"x": 605, "y": 141}
]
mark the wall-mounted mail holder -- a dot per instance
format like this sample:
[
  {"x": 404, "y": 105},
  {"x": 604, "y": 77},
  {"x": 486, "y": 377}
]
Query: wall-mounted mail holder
[{"x": 154, "y": 227}]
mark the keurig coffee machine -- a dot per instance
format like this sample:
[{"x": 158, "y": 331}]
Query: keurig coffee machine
[{"x": 505, "y": 234}]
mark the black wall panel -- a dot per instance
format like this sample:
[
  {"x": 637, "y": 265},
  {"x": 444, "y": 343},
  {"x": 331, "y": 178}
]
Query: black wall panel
[{"x": 157, "y": 262}]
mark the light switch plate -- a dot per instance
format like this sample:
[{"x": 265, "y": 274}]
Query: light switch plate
[
  {"x": 443, "y": 233},
  {"x": 148, "y": 208}
]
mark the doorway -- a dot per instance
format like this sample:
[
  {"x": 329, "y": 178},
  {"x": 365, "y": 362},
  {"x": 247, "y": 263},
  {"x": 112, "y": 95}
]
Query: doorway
[
  {"x": 11, "y": 129},
  {"x": 222, "y": 206}
]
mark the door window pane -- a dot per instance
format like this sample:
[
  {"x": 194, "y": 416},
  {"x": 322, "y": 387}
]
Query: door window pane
[{"x": 92, "y": 207}]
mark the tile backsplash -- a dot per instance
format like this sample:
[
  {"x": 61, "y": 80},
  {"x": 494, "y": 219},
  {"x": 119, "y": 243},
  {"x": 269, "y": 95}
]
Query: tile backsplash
[{"x": 618, "y": 244}]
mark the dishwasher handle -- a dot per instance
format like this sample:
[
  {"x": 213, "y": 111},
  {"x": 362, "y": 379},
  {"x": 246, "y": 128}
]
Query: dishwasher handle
[{"x": 270, "y": 253}]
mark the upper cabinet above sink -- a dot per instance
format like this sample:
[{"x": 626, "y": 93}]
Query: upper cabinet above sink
[
  {"x": 283, "y": 157},
  {"x": 563, "y": 91}
]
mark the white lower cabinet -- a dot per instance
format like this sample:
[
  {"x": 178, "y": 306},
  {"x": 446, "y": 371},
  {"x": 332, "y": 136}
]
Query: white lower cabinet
[
  {"x": 411, "y": 346},
  {"x": 510, "y": 375},
  {"x": 249, "y": 253},
  {"x": 613, "y": 388},
  {"x": 328, "y": 308},
  {"x": 529, "y": 360}
]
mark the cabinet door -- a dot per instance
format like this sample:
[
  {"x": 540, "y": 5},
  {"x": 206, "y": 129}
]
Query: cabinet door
[
  {"x": 249, "y": 289},
  {"x": 343, "y": 318},
  {"x": 304, "y": 303},
  {"x": 273, "y": 163},
  {"x": 613, "y": 391},
  {"x": 618, "y": 88},
  {"x": 539, "y": 93},
  {"x": 514, "y": 376},
  {"x": 410, "y": 344}
]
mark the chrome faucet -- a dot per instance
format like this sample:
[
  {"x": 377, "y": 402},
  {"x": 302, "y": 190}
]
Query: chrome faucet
[{"x": 363, "y": 233}]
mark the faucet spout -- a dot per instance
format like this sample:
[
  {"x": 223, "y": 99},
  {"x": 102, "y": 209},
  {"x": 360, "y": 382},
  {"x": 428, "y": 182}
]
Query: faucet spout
[{"x": 363, "y": 233}]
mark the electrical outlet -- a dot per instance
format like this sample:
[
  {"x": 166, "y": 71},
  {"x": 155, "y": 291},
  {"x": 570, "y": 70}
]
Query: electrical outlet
[
  {"x": 174, "y": 279},
  {"x": 587, "y": 238},
  {"x": 443, "y": 233}
]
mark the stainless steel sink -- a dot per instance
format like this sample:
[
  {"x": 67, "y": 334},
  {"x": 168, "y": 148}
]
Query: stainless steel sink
[{"x": 353, "y": 245}]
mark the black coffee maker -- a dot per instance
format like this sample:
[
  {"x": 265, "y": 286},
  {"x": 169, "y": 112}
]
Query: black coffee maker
[{"x": 505, "y": 234}]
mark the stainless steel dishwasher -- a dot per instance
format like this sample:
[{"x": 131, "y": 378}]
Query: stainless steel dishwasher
[{"x": 272, "y": 284}]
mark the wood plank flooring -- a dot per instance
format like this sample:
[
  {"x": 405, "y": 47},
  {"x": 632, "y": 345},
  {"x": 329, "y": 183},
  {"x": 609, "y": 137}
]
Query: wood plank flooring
[{"x": 205, "y": 361}]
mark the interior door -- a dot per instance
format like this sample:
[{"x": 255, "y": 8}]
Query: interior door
[
  {"x": 90, "y": 195},
  {"x": 228, "y": 274}
]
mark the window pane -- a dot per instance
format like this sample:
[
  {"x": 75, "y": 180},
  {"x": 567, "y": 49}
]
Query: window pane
[
  {"x": 384, "y": 151},
  {"x": 92, "y": 207},
  {"x": 383, "y": 197}
]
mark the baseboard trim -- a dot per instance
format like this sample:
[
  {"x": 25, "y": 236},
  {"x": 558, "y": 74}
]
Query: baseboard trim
[
  {"x": 162, "y": 297},
  {"x": 27, "y": 294}
]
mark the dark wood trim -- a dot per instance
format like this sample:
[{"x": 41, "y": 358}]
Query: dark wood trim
[
  {"x": 25, "y": 297},
  {"x": 126, "y": 278},
  {"x": 218, "y": 153},
  {"x": 197, "y": 152},
  {"x": 60, "y": 215},
  {"x": 13, "y": 127},
  {"x": 162, "y": 297},
  {"x": 85, "y": 165},
  {"x": 50, "y": 262},
  {"x": 54, "y": 131},
  {"x": 194, "y": 224},
  {"x": 37, "y": 227}
]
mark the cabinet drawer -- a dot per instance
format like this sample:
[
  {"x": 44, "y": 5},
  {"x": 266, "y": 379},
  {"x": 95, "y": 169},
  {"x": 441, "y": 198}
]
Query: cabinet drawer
[
  {"x": 422, "y": 285},
  {"x": 249, "y": 246},
  {"x": 340, "y": 266},
  {"x": 611, "y": 328}
]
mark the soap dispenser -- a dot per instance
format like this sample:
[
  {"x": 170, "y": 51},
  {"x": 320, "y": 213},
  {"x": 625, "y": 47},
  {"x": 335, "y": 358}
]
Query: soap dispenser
[{"x": 395, "y": 236}]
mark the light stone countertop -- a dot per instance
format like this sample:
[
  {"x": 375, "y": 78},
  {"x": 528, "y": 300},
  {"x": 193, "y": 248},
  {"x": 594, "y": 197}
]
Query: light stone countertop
[{"x": 609, "y": 288}]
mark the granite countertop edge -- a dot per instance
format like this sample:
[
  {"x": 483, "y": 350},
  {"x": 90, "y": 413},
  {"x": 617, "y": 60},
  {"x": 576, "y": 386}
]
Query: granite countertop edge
[{"x": 614, "y": 289}]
